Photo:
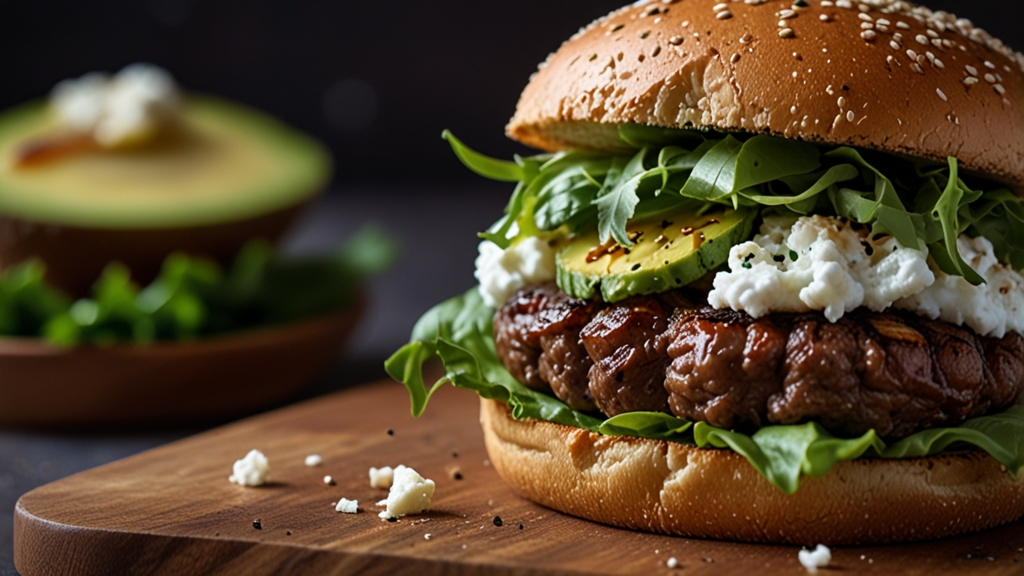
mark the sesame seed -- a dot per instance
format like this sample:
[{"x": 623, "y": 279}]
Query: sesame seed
[
  {"x": 824, "y": 18},
  {"x": 938, "y": 64},
  {"x": 844, "y": 4},
  {"x": 1000, "y": 89},
  {"x": 895, "y": 45},
  {"x": 787, "y": 33},
  {"x": 866, "y": 25},
  {"x": 897, "y": 37},
  {"x": 883, "y": 22},
  {"x": 675, "y": 40},
  {"x": 990, "y": 79},
  {"x": 970, "y": 80},
  {"x": 921, "y": 39},
  {"x": 890, "y": 59},
  {"x": 792, "y": 110},
  {"x": 842, "y": 102},
  {"x": 782, "y": 23},
  {"x": 932, "y": 33},
  {"x": 990, "y": 65},
  {"x": 903, "y": 25},
  {"x": 724, "y": 15},
  {"x": 787, "y": 14},
  {"x": 917, "y": 68},
  {"x": 971, "y": 70},
  {"x": 746, "y": 38},
  {"x": 864, "y": 8},
  {"x": 827, "y": 3},
  {"x": 850, "y": 116},
  {"x": 865, "y": 17},
  {"x": 719, "y": 7},
  {"x": 868, "y": 35},
  {"x": 735, "y": 58},
  {"x": 941, "y": 95},
  {"x": 911, "y": 54}
]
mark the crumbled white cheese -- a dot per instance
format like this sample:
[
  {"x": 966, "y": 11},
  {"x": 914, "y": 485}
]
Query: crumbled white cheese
[
  {"x": 347, "y": 506},
  {"x": 328, "y": 480},
  {"x": 672, "y": 563},
  {"x": 410, "y": 494},
  {"x": 991, "y": 309},
  {"x": 382, "y": 477},
  {"x": 253, "y": 470},
  {"x": 132, "y": 107},
  {"x": 502, "y": 273},
  {"x": 829, "y": 265},
  {"x": 314, "y": 460},
  {"x": 818, "y": 263},
  {"x": 819, "y": 558}
]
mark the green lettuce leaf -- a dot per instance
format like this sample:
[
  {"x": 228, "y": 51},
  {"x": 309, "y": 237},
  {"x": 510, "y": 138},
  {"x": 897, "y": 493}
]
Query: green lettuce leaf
[
  {"x": 191, "y": 297},
  {"x": 922, "y": 204},
  {"x": 459, "y": 333}
]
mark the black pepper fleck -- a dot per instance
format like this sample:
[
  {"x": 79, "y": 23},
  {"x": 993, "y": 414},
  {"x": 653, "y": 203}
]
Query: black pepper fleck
[
  {"x": 497, "y": 521},
  {"x": 455, "y": 453},
  {"x": 636, "y": 267},
  {"x": 288, "y": 533},
  {"x": 457, "y": 476},
  {"x": 393, "y": 519},
  {"x": 521, "y": 527},
  {"x": 391, "y": 432},
  {"x": 779, "y": 258},
  {"x": 257, "y": 524}
]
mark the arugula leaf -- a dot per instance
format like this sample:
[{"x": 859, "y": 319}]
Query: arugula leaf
[
  {"x": 483, "y": 165},
  {"x": 947, "y": 211},
  {"x": 617, "y": 200},
  {"x": 191, "y": 297},
  {"x": 460, "y": 334},
  {"x": 713, "y": 179},
  {"x": 584, "y": 191}
]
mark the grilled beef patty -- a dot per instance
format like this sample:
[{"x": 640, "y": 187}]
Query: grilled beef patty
[{"x": 893, "y": 372}]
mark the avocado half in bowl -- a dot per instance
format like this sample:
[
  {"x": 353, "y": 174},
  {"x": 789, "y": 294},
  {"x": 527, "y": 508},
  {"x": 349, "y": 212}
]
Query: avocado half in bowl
[{"x": 224, "y": 175}]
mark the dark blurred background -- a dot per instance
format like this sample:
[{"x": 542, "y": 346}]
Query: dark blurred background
[{"x": 377, "y": 81}]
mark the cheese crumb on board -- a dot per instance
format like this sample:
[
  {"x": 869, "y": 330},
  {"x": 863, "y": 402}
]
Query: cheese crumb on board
[
  {"x": 382, "y": 477},
  {"x": 818, "y": 558},
  {"x": 347, "y": 506},
  {"x": 410, "y": 494},
  {"x": 253, "y": 470}
]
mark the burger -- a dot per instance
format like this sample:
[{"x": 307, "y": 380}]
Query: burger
[{"x": 762, "y": 284}]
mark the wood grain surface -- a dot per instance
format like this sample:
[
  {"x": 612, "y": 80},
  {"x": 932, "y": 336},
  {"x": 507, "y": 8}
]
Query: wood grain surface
[{"x": 172, "y": 511}]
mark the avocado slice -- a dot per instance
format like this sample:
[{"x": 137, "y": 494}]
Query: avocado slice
[
  {"x": 670, "y": 251},
  {"x": 226, "y": 163},
  {"x": 227, "y": 174}
]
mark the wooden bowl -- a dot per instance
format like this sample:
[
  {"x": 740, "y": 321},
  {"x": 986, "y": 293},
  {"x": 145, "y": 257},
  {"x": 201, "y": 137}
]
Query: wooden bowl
[
  {"x": 76, "y": 256},
  {"x": 165, "y": 383}
]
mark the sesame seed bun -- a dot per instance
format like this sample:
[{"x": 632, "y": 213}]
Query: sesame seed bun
[
  {"x": 880, "y": 74},
  {"x": 678, "y": 489}
]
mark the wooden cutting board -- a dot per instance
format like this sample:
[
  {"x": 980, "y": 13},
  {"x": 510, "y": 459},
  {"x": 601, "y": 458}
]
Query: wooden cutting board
[{"x": 172, "y": 511}]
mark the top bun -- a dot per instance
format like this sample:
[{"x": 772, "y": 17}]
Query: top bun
[{"x": 880, "y": 74}]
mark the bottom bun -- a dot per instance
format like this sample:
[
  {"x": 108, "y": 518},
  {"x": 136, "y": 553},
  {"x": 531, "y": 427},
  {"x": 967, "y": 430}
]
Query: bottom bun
[{"x": 679, "y": 489}]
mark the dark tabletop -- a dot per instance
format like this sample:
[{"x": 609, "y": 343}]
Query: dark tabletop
[{"x": 437, "y": 229}]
